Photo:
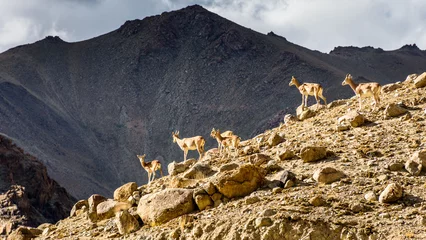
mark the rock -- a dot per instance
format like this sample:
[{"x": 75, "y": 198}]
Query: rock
[
  {"x": 353, "y": 118},
  {"x": 199, "y": 171},
  {"x": 344, "y": 127},
  {"x": 413, "y": 167},
  {"x": 289, "y": 184},
  {"x": 239, "y": 182},
  {"x": 258, "y": 159},
  {"x": 202, "y": 199},
  {"x": 395, "y": 166},
  {"x": 420, "y": 157},
  {"x": 24, "y": 233},
  {"x": 175, "y": 234},
  {"x": 277, "y": 190},
  {"x": 286, "y": 176},
  {"x": 382, "y": 177},
  {"x": 247, "y": 150},
  {"x": 394, "y": 110},
  {"x": 228, "y": 167},
  {"x": 290, "y": 119},
  {"x": 175, "y": 168},
  {"x": 421, "y": 220},
  {"x": 393, "y": 192},
  {"x": 337, "y": 103},
  {"x": 275, "y": 139},
  {"x": 209, "y": 188},
  {"x": 263, "y": 222},
  {"x": 161, "y": 207},
  {"x": 410, "y": 78},
  {"x": 305, "y": 114},
  {"x": 285, "y": 154},
  {"x": 197, "y": 231},
  {"x": 268, "y": 213},
  {"x": 78, "y": 205},
  {"x": 391, "y": 87},
  {"x": 93, "y": 201},
  {"x": 252, "y": 199},
  {"x": 217, "y": 196},
  {"x": 123, "y": 193},
  {"x": 272, "y": 166},
  {"x": 107, "y": 209},
  {"x": 327, "y": 175},
  {"x": 126, "y": 223},
  {"x": 311, "y": 154},
  {"x": 370, "y": 196},
  {"x": 317, "y": 201},
  {"x": 357, "y": 207},
  {"x": 420, "y": 81}
]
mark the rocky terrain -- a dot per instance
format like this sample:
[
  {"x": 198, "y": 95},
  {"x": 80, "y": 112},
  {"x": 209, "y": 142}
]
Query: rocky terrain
[
  {"x": 337, "y": 174},
  {"x": 86, "y": 109},
  {"x": 28, "y": 196}
]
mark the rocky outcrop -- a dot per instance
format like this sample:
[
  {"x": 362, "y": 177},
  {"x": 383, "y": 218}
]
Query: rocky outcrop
[
  {"x": 420, "y": 81},
  {"x": 158, "y": 208},
  {"x": 123, "y": 193},
  {"x": 175, "y": 168}
]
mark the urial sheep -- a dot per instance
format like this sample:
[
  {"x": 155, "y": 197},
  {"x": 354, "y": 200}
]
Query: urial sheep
[
  {"x": 308, "y": 89},
  {"x": 186, "y": 144},
  {"x": 150, "y": 167},
  {"x": 364, "y": 90}
]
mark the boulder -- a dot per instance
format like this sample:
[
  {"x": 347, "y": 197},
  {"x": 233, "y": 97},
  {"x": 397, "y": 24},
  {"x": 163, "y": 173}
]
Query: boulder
[
  {"x": 258, "y": 159},
  {"x": 123, "y": 193},
  {"x": 304, "y": 114},
  {"x": 275, "y": 139},
  {"x": 107, "y": 209},
  {"x": 391, "y": 87},
  {"x": 272, "y": 166},
  {"x": 410, "y": 78},
  {"x": 239, "y": 182},
  {"x": 24, "y": 233},
  {"x": 163, "y": 206},
  {"x": 317, "y": 201},
  {"x": 285, "y": 154},
  {"x": 78, "y": 205},
  {"x": 286, "y": 176},
  {"x": 126, "y": 223},
  {"x": 311, "y": 154},
  {"x": 420, "y": 81},
  {"x": 392, "y": 193},
  {"x": 199, "y": 171},
  {"x": 370, "y": 196},
  {"x": 353, "y": 118},
  {"x": 327, "y": 175},
  {"x": 202, "y": 199},
  {"x": 420, "y": 157},
  {"x": 289, "y": 119},
  {"x": 94, "y": 201},
  {"x": 413, "y": 167},
  {"x": 394, "y": 110},
  {"x": 175, "y": 168}
]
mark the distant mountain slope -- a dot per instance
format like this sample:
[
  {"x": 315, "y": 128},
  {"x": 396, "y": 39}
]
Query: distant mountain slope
[
  {"x": 87, "y": 108},
  {"x": 28, "y": 196}
]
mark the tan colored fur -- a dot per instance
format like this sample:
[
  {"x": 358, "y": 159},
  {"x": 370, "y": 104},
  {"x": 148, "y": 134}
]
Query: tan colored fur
[
  {"x": 150, "y": 167},
  {"x": 308, "y": 89},
  {"x": 186, "y": 144},
  {"x": 226, "y": 143},
  {"x": 364, "y": 90}
]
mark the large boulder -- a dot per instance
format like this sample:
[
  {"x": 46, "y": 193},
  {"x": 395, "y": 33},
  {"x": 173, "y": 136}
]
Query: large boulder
[
  {"x": 311, "y": 154},
  {"x": 123, "y": 193},
  {"x": 394, "y": 110},
  {"x": 161, "y": 207},
  {"x": 392, "y": 193},
  {"x": 126, "y": 223},
  {"x": 352, "y": 118},
  {"x": 420, "y": 81},
  {"x": 79, "y": 205},
  {"x": 239, "y": 182},
  {"x": 175, "y": 168},
  {"x": 327, "y": 175},
  {"x": 94, "y": 201},
  {"x": 107, "y": 209}
]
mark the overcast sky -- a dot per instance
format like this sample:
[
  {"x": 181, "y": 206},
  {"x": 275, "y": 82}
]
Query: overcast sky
[{"x": 315, "y": 24}]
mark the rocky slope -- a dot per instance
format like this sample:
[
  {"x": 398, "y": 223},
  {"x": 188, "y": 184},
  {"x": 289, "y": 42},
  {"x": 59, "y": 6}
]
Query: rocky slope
[
  {"x": 319, "y": 178},
  {"x": 28, "y": 196},
  {"x": 86, "y": 109}
]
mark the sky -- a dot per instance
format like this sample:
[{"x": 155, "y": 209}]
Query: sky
[{"x": 316, "y": 24}]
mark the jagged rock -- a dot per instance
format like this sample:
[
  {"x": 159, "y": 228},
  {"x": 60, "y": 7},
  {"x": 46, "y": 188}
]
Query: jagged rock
[
  {"x": 258, "y": 159},
  {"x": 78, "y": 205},
  {"x": 317, "y": 201},
  {"x": 286, "y": 176},
  {"x": 394, "y": 110},
  {"x": 263, "y": 222},
  {"x": 239, "y": 182},
  {"x": 311, "y": 154},
  {"x": 228, "y": 167},
  {"x": 393, "y": 192},
  {"x": 202, "y": 199},
  {"x": 123, "y": 193},
  {"x": 420, "y": 157},
  {"x": 161, "y": 207},
  {"x": 413, "y": 167},
  {"x": 199, "y": 171},
  {"x": 126, "y": 223},
  {"x": 391, "y": 87},
  {"x": 24, "y": 233},
  {"x": 353, "y": 118},
  {"x": 289, "y": 119},
  {"x": 420, "y": 81},
  {"x": 209, "y": 188},
  {"x": 175, "y": 168},
  {"x": 327, "y": 175},
  {"x": 107, "y": 209},
  {"x": 304, "y": 114},
  {"x": 275, "y": 139},
  {"x": 370, "y": 196},
  {"x": 410, "y": 78},
  {"x": 93, "y": 201},
  {"x": 285, "y": 154}
]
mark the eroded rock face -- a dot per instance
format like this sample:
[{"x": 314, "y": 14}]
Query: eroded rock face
[
  {"x": 392, "y": 193},
  {"x": 123, "y": 193},
  {"x": 161, "y": 207},
  {"x": 311, "y": 153},
  {"x": 239, "y": 182},
  {"x": 327, "y": 175}
]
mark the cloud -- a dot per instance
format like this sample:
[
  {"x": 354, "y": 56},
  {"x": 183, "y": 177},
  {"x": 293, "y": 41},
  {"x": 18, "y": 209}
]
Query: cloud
[{"x": 319, "y": 24}]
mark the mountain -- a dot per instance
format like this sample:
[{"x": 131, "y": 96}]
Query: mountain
[
  {"x": 85, "y": 109},
  {"x": 28, "y": 196}
]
